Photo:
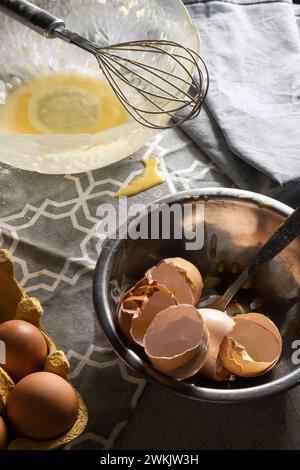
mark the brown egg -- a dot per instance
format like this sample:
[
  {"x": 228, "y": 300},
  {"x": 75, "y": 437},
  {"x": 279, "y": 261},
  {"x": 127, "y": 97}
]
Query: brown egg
[
  {"x": 26, "y": 348},
  {"x": 3, "y": 435},
  {"x": 42, "y": 406}
]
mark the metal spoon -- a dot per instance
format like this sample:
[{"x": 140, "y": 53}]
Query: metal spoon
[{"x": 281, "y": 238}]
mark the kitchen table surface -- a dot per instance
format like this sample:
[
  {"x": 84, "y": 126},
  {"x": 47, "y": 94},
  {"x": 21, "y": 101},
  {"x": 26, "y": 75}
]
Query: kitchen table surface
[{"x": 49, "y": 224}]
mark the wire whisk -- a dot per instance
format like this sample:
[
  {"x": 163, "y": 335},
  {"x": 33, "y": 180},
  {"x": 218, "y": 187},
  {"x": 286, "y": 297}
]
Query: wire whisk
[
  {"x": 176, "y": 91},
  {"x": 160, "y": 83}
]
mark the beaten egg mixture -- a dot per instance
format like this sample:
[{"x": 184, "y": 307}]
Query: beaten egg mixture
[{"x": 62, "y": 104}]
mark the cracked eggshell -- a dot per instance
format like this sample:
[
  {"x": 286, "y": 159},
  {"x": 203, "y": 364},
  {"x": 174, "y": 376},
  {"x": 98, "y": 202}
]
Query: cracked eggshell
[
  {"x": 139, "y": 307},
  {"x": 219, "y": 325},
  {"x": 176, "y": 342},
  {"x": 181, "y": 277},
  {"x": 129, "y": 305},
  {"x": 158, "y": 299},
  {"x": 253, "y": 347},
  {"x": 129, "y": 308}
]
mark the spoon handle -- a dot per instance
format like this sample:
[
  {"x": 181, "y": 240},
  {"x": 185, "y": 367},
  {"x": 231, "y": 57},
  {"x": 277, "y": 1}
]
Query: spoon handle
[{"x": 281, "y": 238}]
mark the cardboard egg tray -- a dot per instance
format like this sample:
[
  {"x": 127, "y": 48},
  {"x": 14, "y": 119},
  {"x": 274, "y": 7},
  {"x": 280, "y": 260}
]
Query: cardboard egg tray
[{"x": 15, "y": 304}]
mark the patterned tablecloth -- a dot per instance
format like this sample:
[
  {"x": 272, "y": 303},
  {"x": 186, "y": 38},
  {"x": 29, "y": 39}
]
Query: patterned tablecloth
[{"x": 49, "y": 225}]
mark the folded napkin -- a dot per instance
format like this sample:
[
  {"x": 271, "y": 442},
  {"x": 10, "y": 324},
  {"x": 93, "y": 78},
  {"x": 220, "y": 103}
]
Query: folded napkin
[{"x": 250, "y": 123}]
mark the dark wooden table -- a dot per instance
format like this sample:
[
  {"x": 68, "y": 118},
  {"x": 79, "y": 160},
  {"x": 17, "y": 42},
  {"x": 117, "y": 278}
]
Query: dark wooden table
[{"x": 163, "y": 421}]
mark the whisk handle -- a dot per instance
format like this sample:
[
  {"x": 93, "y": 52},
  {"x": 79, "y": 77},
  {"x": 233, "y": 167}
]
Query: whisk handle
[{"x": 31, "y": 16}]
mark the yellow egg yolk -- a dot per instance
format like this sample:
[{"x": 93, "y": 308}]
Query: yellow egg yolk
[{"x": 62, "y": 104}]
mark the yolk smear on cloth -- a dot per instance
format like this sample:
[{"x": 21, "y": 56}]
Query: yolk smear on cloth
[
  {"x": 62, "y": 104},
  {"x": 148, "y": 179}
]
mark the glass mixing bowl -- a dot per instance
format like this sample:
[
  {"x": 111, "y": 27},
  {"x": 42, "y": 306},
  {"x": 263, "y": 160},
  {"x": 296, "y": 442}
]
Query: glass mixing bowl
[{"x": 25, "y": 55}]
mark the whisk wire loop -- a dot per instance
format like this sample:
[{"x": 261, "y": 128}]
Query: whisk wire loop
[{"x": 156, "y": 96}]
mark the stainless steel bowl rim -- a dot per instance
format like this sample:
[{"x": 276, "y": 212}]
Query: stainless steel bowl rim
[{"x": 110, "y": 247}]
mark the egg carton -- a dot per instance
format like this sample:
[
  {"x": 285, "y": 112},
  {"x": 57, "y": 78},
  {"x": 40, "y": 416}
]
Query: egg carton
[{"x": 15, "y": 304}]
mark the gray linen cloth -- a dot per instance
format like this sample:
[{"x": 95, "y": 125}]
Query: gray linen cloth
[{"x": 250, "y": 124}]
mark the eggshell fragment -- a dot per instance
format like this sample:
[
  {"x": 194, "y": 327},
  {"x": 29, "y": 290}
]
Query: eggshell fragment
[
  {"x": 42, "y": 406},
  {"x": 158, "y": 299},
  {"x": 176, "y": 342},
  {"x": 181, "y": 277},
  {"x": 130, "y": 304},
  {"x": 26, "y": 348},
  {"x": 253, "y": 347},
  {"x": 3, "y": 435},
  {"x": 139, "y": 307},
  {"x": 128, "y": 309},
  {"x": 219, "y": 325}
]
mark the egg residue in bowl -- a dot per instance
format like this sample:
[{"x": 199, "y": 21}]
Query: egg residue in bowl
[{"x": 62, "y": 104}]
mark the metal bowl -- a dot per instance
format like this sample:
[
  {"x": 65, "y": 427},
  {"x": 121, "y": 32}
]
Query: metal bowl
[
  {"x": 25, "y": 55},
  {"x": 236, "y": 224}
]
